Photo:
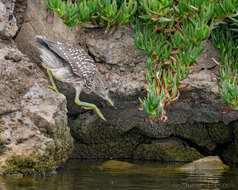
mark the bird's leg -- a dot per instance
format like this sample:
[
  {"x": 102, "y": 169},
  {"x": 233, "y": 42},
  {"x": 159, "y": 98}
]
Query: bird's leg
[
  {"x": 52, "y": 86},
  {"x": 86, "y": 105},
  {"x": 89, "y": 106}
]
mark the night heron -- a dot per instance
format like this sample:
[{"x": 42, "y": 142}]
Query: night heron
[{"x": 74, "y": 66}]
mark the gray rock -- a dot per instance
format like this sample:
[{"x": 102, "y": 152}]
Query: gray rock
[
  {"x": 118, "y": 49},
  {"x": 206, "y": 60},
  {"x": 126, "y": 77},
  {"x": 8, "y": 25},
  {"x": 34, "y": 134},
  {"x": 41, "y": 21},
  {"x": 230, "y": 152}
]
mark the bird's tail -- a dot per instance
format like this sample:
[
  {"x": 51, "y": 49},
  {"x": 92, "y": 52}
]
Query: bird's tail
[
  {"x": 42, "y": 40},
  {"x": 48, "y": 57}
]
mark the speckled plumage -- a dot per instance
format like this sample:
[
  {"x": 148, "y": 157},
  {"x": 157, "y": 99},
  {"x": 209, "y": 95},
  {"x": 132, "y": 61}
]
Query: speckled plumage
[
  {"x": 70, "y": 64},
  {"x": 80, "y": 62},
  {"x": 74, "y": 66}
]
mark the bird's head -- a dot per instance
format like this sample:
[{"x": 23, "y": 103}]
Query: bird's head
[{"x": 101, "y": 89}]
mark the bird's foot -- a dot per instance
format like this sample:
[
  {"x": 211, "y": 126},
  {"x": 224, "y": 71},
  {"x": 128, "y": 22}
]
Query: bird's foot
[
  {"x": 53, "y": 88},
  {"x": 97, "y": 111},
  {"x": 89, "y": 106}
]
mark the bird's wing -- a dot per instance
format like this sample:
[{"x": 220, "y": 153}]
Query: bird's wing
[{"x": 81, "y": 63}]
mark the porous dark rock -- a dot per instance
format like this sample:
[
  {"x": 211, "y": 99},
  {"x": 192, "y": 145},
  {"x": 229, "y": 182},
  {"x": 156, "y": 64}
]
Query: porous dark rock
[
  {"x": 171, "y": 149},
  {"x": 230, "y": 151},
  {"x": 96, "y": 139}
]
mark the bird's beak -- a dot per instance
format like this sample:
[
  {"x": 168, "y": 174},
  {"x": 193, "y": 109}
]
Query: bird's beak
[{"x": 108, "y": 98}]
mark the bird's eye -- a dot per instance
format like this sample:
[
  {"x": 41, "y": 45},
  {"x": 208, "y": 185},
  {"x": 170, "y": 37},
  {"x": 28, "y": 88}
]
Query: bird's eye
[{"x": 106, "y": 88}]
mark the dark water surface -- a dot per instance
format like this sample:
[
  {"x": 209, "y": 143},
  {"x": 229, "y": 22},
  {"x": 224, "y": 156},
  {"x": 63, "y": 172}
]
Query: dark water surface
[{"x": 86, "y": 175}]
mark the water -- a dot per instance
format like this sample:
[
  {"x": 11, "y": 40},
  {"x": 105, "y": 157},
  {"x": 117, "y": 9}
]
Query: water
[{"x": 86, "y": 175}]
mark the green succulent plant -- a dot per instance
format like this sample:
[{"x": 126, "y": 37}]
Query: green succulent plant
[
  {"x": 86, "y": 12},
  {"x": 224, "y": 38},
  {"x": 153, "y": 105},
  {"x": 228, "y": 89}
]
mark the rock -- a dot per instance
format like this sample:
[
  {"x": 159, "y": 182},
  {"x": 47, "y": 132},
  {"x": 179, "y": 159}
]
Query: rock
[
  {"x": 116, "y": 165},
  {"x": 14, "y": 56},
  {"x": 206, "y": 60},
  {"x": 26, "y": 107},
  {"x": 19, "y": 12},
  {"x": 230, "y": 152},
  {"x": 220, "y": 133},
  {"x": 110, "y": 150},
  {"x": 98, "y": 139},
  {"x": 195, "y": 132},
  {"x": 110, "y": 50},
  {"x": 41, "y": 21},
  {"x": 8, "y": 25},
  {"x": 172, "y": 149},
  {"x": 207, "y": 163},
  {"x": 119, "y": 52}
]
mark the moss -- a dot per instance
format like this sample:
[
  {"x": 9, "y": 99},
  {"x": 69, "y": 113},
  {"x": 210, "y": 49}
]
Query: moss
[
  {"x": 104, "y": 151},
  {"x": 29, "y": 165},
  {"x": 170, "y": 150},
  {"x": 219, "y": 132}
]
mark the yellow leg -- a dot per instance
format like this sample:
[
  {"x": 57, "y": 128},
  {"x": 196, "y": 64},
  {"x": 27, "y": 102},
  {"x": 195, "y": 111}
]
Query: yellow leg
[
  {"x": 52, "y": 86},
  {"x": 89, "y": 106}
]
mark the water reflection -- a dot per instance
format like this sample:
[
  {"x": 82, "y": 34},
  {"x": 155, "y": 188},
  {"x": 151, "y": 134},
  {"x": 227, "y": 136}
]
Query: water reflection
[{"x": 86, "y": 175}]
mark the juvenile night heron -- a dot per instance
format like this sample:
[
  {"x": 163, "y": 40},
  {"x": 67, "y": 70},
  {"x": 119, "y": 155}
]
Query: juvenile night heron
[{"x": 74, "y": 66}]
